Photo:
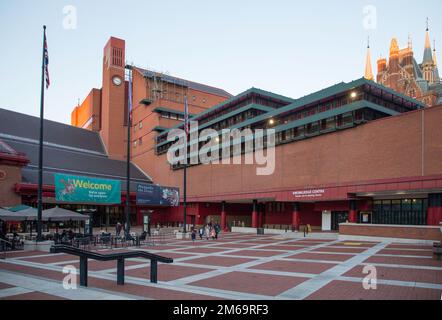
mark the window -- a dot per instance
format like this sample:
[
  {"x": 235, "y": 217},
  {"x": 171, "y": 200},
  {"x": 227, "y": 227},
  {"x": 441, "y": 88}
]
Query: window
[
  {"x": 400, "y": 212},
  {"x": 141, "y": 124},
  {"x": 135, "y": 143},
  {"x": 140, "y": 141}
]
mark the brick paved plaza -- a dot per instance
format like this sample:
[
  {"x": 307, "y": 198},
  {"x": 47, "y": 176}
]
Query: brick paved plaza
[{"x": 238, "y": 266}]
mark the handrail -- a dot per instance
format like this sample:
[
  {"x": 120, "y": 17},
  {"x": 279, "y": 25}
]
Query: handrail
[
  {"x": 108, "y": 257},
  {"x": 7, "y": 242},
  {"x": 84, "y": 255}
]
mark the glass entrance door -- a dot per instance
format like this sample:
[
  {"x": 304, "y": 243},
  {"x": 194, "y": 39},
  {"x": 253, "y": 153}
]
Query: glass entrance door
[{"x": 337, "y": 218}]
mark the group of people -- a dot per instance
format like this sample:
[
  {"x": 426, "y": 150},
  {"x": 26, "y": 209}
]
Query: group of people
[
  {"x": 209, "y": 231},
  {"x": 65, "y": 237},
  {"x": 8, "y": 243}
]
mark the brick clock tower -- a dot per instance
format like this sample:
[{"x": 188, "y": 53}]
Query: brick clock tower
[{"x": 113, "y": 107}]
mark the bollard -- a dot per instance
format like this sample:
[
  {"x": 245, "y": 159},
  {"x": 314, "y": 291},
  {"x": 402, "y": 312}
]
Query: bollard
[
  {"x": 153, "y": 271},
  {"x": 120, "y": 272},
  {"x": 83, "y": 271}
]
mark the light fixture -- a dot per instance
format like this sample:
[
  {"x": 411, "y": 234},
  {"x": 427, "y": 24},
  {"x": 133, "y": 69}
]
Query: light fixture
[
  {"x": 217, "y": 139},
  {"x": 271, "y": 122},
  {"x": 353, "y": 95}
]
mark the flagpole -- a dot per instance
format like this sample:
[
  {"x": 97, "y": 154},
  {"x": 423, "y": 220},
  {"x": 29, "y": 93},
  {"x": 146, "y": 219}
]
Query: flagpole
[
  {"x": 185, "y": 192},
  {"x": 129, "y": 125},
  {"x": 40, "y": 157},
  {"x": 186, "y": 130}
]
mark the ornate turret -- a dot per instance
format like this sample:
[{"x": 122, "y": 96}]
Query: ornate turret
[
  {"x": 394, "y": 56},
  {"x": 394, "y": 47}
]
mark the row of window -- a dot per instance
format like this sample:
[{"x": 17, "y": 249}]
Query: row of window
[
  {"x": 252, "y": 99},
  {"x": 227, "y": 123},
  {"x": 171, "y": 115},
  {"x": 315, "y": 128},
  {"x": 404, "y": 212},
  {"x": 138, "y": 142},
  {"x": 138, "y": 125}
]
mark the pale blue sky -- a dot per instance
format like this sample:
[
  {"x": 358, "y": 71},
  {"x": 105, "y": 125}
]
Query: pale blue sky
[{"x": 288, "y": 47}]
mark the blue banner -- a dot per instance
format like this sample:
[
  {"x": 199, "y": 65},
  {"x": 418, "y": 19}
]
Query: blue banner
[{"x": 153, "y": 195}]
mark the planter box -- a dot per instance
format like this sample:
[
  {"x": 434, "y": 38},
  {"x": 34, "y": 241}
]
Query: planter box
[
  {"x": 181, "y": 235},
  {"x": 43, "y": 246}
]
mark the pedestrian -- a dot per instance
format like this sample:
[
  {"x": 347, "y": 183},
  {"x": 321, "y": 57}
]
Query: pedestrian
[
  {"x": 201, "y": 232},
  {"x": 213, "y": 233},
  {"x": 207, "y": 232},
  {"x": 193, "y": 235},
  {"x": 217, "y": 230},
  {"x": 118, "y": 229}
]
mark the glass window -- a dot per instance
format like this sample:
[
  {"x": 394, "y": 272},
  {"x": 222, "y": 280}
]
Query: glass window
[
  {"x": 395, "y": 211},
  {"x": 347, "y": 118},
  {"x": 377, "y": 211},
  {"x": 386, "y": 211}
]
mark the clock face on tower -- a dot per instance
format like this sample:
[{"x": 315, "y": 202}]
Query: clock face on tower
[{"x": 116, "y": 80}]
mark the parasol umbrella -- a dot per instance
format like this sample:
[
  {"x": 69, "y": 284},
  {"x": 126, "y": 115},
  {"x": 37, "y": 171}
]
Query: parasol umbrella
[{"x": 58, "y": 214}]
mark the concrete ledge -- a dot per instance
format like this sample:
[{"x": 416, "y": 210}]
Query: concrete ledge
[
  {"x": 381, "y": 239},
  {"x": 397, "y": 233},
  {"x": 244, "y": 230},
  {"x": 44, "y": 246},
  {"x": 276, "y": 231}
]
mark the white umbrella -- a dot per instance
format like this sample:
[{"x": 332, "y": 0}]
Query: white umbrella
[
  {"x": 59, "y": 214},
  {"x": 25, "y": 215}
]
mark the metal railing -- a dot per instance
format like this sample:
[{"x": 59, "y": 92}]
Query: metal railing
[
  {"x": 3, "y": 244},
  {"x": 120, "y": 257}
]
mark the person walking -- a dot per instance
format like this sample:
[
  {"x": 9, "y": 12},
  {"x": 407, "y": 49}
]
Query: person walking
[
  {"x": 193, "y": 235},
  {"x": 207, "y": 232},
  {"x": 118, "y": 229},
  {"x": 217, "y": 230},
  {"x": 201, "y": 232}
]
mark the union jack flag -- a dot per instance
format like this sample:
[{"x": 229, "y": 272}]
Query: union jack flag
[
  {"x": 46, "y": 62},
  {"x": 186, "y": 117}
]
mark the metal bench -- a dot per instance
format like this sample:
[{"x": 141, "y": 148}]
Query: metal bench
[{"x": 119, "y": 256}]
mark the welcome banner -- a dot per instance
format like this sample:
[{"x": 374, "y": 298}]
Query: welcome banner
[{"x": 76, "y": 189}]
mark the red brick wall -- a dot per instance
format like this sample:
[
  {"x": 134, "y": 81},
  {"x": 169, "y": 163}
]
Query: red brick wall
[
  {"x": 8, "y": 197},
  {"x": 390, "y": 148}
]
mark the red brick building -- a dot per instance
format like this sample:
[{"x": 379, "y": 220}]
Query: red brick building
[
  {"x": 356, "y": 151},
  {"x": 404, "y": 74}
]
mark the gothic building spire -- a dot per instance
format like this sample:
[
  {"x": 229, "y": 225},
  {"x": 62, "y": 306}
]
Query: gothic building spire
[
  {"x": 368, "y": 69},
  {"x": 428, "y": 55}
]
